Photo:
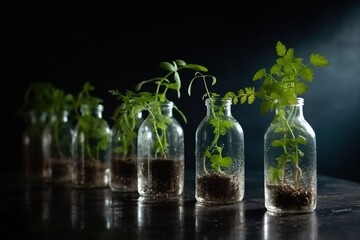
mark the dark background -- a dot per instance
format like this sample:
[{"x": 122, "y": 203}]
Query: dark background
[{"x": 116, "y": 44}]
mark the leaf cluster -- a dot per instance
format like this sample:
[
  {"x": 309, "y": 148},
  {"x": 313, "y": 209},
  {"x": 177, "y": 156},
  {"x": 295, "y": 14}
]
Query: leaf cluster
[
  {"x": 92, "y": 126},
  {"x": 45, "y": 97},
  {"x": 171, "y": 81},
  {"x": 85, "y": 97},
  {"x": 283, "y": 82},
  {"x": 125, "y": 117}
]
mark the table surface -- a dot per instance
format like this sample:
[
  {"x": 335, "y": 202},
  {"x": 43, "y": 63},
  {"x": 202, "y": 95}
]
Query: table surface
[{"x": 39, "y": 210}]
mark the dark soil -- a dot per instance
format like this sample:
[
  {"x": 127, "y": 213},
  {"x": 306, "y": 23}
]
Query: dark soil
[
  {"x": 92, "y": 175},
  {"x": 61, "y": 170},
  {"x": 166, "y": 177},
  {"x": 38, "y": 164},
  {"x": 123, "y": 174},
  {"x": 217, "y": 188},
  {"x": 289, "y": 198}
]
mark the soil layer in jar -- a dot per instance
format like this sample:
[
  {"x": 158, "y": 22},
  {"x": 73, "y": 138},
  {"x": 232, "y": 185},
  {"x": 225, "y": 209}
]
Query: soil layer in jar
[
  {"x": 124, "y": 174},
  {"x": 288, "y": 197},
  {"x": 92, "y": 174},
  {"x": 215, "y": 188},
  {"x": 162, "y": 177}
]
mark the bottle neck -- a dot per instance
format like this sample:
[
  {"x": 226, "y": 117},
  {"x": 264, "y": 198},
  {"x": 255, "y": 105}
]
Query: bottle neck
[
  {"x": 162, "y": 108},
  {"x": 217, "y": 105},
  {"x": 291, "y": 111},
  {"x": 95, "y": 111},
  {"x": 38, "y": 117},
  {"x": 62, "y": 116}
]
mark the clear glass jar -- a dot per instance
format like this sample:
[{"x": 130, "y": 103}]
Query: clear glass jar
[
  {"x": 219, "y": 155},
  {"x": 59, "y": 135},
  {"x": 290, "y": 162},
  {"x": 91, "y": 149},
  {"x": 25, "y": 146},
  {"x": 123, "y": 163},
  {"x": 160, "y": 153},
  {"x": 36, "y": 154}
]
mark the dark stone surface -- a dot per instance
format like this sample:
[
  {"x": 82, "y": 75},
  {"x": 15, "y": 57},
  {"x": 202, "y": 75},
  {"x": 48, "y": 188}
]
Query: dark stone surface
[{"x": 38, "y": 210}]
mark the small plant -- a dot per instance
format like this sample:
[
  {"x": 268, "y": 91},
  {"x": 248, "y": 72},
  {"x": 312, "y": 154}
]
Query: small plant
[
  {"x": 128, "y": 118},
  {"x": 219, "y": 124},
  {"x": 219, "y": 150},
  {"x": 91, "y": 141},
  {"x": 125, "y": 117},
  {"x": 60, "y": 102},
  {"x": 163, "y": 86},
  {"x": 289, "y": 141},
  {"x": 161, "y": 138},
  {"x": 35, "y": 111},
  {"x": 283, "y": 83},
  {"x": 92, "y": 126}
]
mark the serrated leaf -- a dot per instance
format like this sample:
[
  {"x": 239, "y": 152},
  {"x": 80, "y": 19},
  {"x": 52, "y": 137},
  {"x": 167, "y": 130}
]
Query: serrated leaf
[
  {"x": 280, "y": 49},
  {"x": 251, "y": 99},
  {"x": 275, "y": 69},
  {"x": 243, "y": 99},
  {"x": 318, "y": 60},
  {"x": 307, "y": 74},
  {"x": 289, "y": 54},
  {"x": 259, "y": 74},
  {"x": 300, "y": 88}
]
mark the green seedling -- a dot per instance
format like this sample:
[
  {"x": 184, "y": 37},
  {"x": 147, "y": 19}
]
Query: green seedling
[
  {"x": 170, "y": 81},
  {"x": 220, "y": 127},
  {"x": 282, "y": 83}
]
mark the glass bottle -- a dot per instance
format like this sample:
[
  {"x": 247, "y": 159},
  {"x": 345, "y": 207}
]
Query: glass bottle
[
  {"x": 219, "y": 155},
  {"x": 290, "y": 162},
  {"x": 59, "y": 136},
  {"x": 35, "y": 151},
  {"x": 25, "y": 145},
  {"x": 160, "y": 153},
  {"x": 123, "y": 163},
  {"x": 91, "y": 149}
]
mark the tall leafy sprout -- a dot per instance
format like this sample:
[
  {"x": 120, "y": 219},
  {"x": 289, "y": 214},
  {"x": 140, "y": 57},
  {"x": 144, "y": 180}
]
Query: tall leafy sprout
[
  {"x": 220, "y": 126},
  {"x": 170, "y": 81},
  {"x": 282, "y": 83},
  {"x": 93, "y": 127},
  {"x": 125, "y": 117}
]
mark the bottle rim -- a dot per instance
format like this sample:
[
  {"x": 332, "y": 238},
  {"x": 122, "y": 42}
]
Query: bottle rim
[{"x": 219, "y": 100}]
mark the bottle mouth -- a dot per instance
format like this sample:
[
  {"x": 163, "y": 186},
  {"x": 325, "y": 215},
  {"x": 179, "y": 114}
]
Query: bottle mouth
[
  {"x": 218, "y": 101},
  {"x": 300, "y": 101},
  {"x": 161, "y": 104}
]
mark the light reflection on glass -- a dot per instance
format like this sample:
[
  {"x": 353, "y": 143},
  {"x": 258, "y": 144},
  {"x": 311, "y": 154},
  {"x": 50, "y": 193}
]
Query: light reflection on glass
[
  {"x": 220, "y": 221},
  {"x": 166, "y": 214},
  {"x": 91, "y": 208},
  {"x": 301, "y": 226}
]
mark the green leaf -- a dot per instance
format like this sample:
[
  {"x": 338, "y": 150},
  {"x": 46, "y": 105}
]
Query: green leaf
[
  {"x": 307, "y": 74},
  {"x": 226, "y": 162},
  {"x": 275, "y": 69},
  {"x": 167, "y": 66},
  {"x": 180, "y": 62},
  {"x": 280, "y": 49},
  {"x": 300, "y": 88},
  {"x": 318, "y": 60},
  {"x": 301, "y": 139},
  {"x": 259, "y": 74},
  {"x": 196, "y": 67}
]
